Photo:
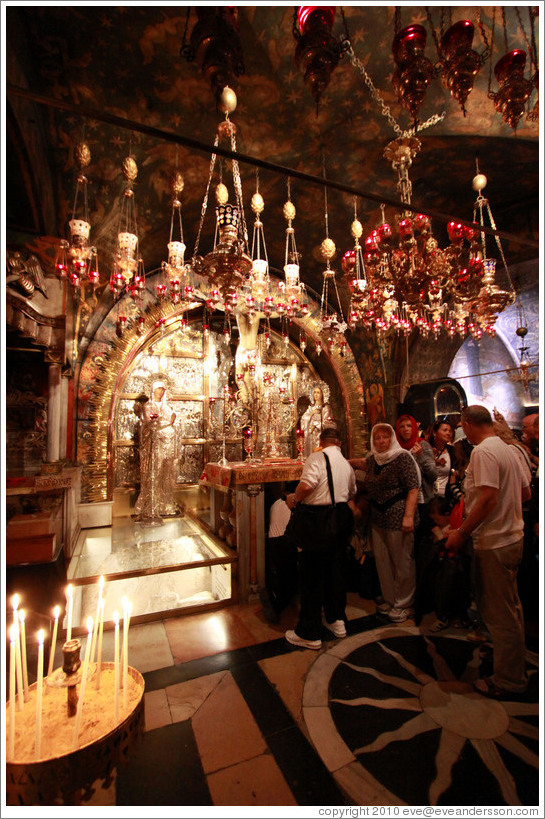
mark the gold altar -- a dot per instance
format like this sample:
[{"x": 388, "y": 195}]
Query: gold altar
[{"x": 244, "y": 484}]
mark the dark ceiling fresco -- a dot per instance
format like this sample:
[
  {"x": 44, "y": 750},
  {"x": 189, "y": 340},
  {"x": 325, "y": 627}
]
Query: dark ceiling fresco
[{"x": 126, "y": 61}]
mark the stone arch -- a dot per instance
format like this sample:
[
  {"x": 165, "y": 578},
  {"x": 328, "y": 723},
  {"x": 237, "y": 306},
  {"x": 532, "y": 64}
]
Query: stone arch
[{"x": 108, "y": 358}]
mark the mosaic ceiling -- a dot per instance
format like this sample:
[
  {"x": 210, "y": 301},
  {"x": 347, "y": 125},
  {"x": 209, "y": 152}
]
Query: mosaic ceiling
[{"x": 126, "y": 61}]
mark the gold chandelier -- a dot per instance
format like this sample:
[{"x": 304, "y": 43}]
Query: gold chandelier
[
  {"x": 77, "y": 259},
  {"x": 404, "y": 281}
]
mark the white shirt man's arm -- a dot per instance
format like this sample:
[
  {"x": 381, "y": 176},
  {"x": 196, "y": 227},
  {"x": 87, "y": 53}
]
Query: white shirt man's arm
[
  {"x": 301, "y": 491},
  {"x": 486, "y": 499}
]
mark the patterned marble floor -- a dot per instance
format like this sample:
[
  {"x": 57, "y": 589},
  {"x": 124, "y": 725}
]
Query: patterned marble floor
[{"x": 235, "y": 716}]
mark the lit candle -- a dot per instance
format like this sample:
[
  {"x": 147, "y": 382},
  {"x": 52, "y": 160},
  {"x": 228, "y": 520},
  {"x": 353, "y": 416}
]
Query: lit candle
[
  {"x": 56, "y": 612},
  {"x": 116, "y": 666},
  {"x": 126, "y": 619},
  {"x": 39, "y": 693},
  {"x": 70, "y": 597},
  {"x": 18, "y": 660},
  {"x": 84, "y": 673},
  {"x": 12, "y": 663},
  {"x": 97, "y": 617},
  {"x": 23, "y": 653},
  {"x": 99, "y": 653}
]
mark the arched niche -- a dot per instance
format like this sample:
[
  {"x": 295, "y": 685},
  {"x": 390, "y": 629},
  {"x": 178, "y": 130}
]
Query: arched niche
[{"x": 109, "y": 363}]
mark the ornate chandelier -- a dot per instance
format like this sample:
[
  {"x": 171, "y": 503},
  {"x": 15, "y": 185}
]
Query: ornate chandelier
[
  {"x": 523, "y": 374},
  {"x": 128, "y": 267},
  {"x": 405, "y": 281},
  {"x": 76, "y": 258},
  {"x": 176, "y": 282}
]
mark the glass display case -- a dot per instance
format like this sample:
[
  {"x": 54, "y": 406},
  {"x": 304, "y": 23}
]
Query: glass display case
[{"x": 160, "y": 569}]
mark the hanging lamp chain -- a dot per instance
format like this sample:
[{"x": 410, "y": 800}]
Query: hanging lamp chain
[
  {"x": 385, "y": 110},
  {"x": 205, "y": 200}
]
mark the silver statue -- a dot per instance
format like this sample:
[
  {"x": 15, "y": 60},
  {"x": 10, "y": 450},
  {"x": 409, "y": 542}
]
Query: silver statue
[
  {"x": 316, "y": 417},
  {"x": 157, "y": 459}
]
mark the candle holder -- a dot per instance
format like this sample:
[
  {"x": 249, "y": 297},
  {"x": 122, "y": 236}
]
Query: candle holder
[
  {"x": 226, "y": 396},
  {"x": 69, "y": 676},
  {"x": 300, "y": 443},
  {"x": 82, "y": 776},
  {"x": 249, "y": 445}
]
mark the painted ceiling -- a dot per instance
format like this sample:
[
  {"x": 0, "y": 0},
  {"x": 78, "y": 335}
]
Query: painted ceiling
[{"x": 126, "y": 61}]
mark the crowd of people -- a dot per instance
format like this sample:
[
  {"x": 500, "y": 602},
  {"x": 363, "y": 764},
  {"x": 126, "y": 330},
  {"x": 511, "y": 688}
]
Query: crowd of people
[{"x": 448, "y": 518}]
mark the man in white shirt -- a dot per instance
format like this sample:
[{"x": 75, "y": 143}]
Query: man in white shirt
[
  {"x": 280, "y": 560},
  {"x": 322, "y": 569},
  {"x": 495, "y": 488}
]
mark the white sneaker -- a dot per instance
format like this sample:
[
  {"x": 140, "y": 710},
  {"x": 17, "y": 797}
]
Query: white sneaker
[
  {"x": 399, "y": 615},
  {"x": 295, "y": 640},
  {"x": 337, "y": 627}
]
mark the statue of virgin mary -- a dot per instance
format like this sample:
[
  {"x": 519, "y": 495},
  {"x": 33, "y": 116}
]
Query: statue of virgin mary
[{"x": 158, "y": 459}]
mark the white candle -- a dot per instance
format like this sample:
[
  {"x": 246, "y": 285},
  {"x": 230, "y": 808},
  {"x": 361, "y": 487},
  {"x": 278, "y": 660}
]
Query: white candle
[
  {"x": 83, "y": 683},
  {"x": 116, "y": 666},
  {"x": 12, "y": 664},
  {"x": 126, "y": 620},
  {"x": 39, "y": 693},
  {"x": 99, "y": 652},
  {"x": 53, "y": 646},
  {"x": 18, "y": 660},
  {"x": 70, "y": 597},
  {"x": 97, "y": 617},
  {"x": 23, "y": 653}
]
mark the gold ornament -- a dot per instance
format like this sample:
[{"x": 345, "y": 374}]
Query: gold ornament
[
  {"x": 289, "y": 210},
  {"x": 222, "y": 194},
  {"x": 82, "y": 154},
  {"x": 257, "y": 203},
  {"x": 130, "y": 169},
  {"x": 356, "y": 229},
  {"x": 177, "y": 182},
  {"x": 479, "y": 182},
  {"x": 328, "y": 248},
  {"x": 228, "y": 100}
]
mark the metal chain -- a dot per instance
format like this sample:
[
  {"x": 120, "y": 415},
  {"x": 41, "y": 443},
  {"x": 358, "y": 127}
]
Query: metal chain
[
  {"x": 504, "y": 23},
  {"x": 498, "y": 242},
  {"x": 205, "y": 200},
  {"x": 238, "y": 188},
  {"x": 294, "y": 30},
  {"x": 326, "y": 213},
  {"x": 385, "y": 110},
  {"x": 433, "y": 32},
  {"x": 491, "y": 52},
  {"x": 528, "y": 46},
  {"x": 480, "y": 24},
  {"x": 533, "y": 34}
]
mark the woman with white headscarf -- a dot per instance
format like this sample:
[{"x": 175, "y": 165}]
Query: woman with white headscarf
[
  {"x": 392, "y": 481},
  {"x": 157, "y": 459}
]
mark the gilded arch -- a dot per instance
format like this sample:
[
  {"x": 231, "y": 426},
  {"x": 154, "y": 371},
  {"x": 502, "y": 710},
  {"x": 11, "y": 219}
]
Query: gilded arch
[{"x": 109, "y": 357}]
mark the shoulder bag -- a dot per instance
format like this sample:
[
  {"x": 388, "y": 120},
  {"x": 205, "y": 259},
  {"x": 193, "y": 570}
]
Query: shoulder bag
[{"x": 316, "y": 527}]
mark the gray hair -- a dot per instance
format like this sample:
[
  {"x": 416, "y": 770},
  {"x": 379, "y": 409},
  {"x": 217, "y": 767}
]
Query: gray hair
[{"x": 477, "y": 415}]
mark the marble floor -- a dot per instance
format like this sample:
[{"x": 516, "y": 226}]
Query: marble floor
[{"x": 236, "y": 716}]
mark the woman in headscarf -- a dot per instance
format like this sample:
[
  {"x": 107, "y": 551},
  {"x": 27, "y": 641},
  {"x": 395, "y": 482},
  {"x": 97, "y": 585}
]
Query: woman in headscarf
[
  {"x": 409, "y": 439},
  {"x": 392, "y": 481},
  {"x": 157, "y": 459}
]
